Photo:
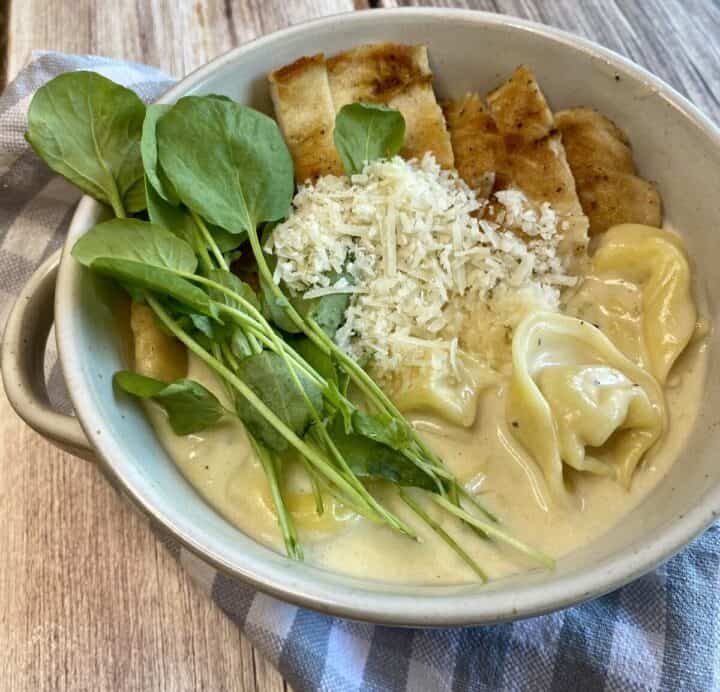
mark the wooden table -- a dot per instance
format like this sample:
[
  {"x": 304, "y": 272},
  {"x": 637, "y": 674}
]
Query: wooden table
[{"x": 88, "y": 597}]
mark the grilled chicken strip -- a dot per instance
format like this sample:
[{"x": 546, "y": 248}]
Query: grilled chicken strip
[
  {"x": 398, "y": 76},
  {"x": 515, "y": 137},
  {"x": 601, "y": 160},
  {"x": 306, "y": 115}
]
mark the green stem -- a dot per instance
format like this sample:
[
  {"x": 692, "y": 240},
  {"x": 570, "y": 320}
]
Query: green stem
[
  {"x": 285, "y": 520},
  {"x": 275, "y": 344},
  {"x": 394, "y": 521},
  {"x": 493, "y": 530},
  {"x": 443, "y": 534},
  {"x": 202, "y": 253},
  {"x": 209, "y": 240},
  {"x": 391, "y": 519},
  {"x": 372, "y": 390},
  {"x": 347, "y": 502},
  {"x": 117, "y": 206},
  {"x": 311, "y": 454},
  {"x": 266, "y": 275},
  {"x": 232, "y": 361},
  {"x": 315, "y": 333},
  {"x": 256, "y": 321},
  {"x": 317, "y": 493},
  {"x": 476, "y": 503}
]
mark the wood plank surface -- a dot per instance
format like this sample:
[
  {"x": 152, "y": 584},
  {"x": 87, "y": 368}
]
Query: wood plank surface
[
  {"x": 175, "y": 35},
  {"x": 88, "y": 598},
  {"x": 678, "y": 40}
]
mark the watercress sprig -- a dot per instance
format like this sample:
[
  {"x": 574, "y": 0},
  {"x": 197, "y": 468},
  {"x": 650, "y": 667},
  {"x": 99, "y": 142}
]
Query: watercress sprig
[{"x": 87, "y": 129}]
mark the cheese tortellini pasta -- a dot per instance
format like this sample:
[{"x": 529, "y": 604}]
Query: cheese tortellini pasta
[
  {"x": 453, "y": 396},
  {"x": 638, "y": 291},
  {"x": 575, "y": 399},
  {"x": 156, "y": 353}
]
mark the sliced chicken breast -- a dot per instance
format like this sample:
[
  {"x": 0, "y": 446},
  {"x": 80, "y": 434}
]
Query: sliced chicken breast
[
  {"x": 306, "y": 115},
  {"x": 601, "y": 160},
  {"x": 398, "y": 76}
]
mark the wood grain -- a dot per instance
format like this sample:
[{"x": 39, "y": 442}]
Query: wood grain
[
  {"x": 675, "y": 39},
  {"x": 175, "y": 35},
  {"x": 88, "y": 598}
]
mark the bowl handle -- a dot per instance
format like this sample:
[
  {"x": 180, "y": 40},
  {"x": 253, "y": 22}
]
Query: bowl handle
[{"x": 23, "y": 350}]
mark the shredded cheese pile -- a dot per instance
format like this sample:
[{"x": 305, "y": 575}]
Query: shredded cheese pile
[{"x": 429, "y": 276}]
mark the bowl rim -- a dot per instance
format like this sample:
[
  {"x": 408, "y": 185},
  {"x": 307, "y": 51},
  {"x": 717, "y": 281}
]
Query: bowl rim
[{"x": 484, "y": 606}]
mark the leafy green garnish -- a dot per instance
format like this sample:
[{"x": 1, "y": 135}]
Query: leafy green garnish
[
  {"x": 329, "y": 313},
  {"x": 315, "y": 357},
  {"x": 235, "y": 284},
  {"x": 87, "y": 129},
  {"x": 190, "y": 407},
  {"x": 171, "y": 217},
  {"x": 227, "y": 162},
  {"x": 381, "y": 428},
  {"x": 275, "y": 308},
  {"x": 139, "y": 241},
  {"x": 149, "y": 150},
  {"x": 366, "y": 132},
  {"x": 135, "y": 199},
  {"x": 179, "y": 220},
  {"x": 267, "y": 375},
  {"x": 240, "y": 345},
  {"x": 144, "y": 255},
  {"x": 370, "y": 459}
]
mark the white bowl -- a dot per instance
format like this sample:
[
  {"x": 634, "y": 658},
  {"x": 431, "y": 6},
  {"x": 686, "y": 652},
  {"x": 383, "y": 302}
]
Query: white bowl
[{"x": 674, "y": 144}]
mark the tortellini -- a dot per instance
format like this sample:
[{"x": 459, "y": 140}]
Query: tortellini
[
  {"x": 574, "y": 398},
  {"x": 639, "y": 293},
  {"x": 451, "y": 396},
  {"x": 156, "y": 353}
]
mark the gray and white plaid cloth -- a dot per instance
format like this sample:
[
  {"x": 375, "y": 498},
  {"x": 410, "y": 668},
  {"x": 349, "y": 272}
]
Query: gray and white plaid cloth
[{"x": 661, "y": 632}]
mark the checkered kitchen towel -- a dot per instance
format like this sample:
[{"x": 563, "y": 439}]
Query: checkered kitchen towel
[{"x": 659, "y": 633}]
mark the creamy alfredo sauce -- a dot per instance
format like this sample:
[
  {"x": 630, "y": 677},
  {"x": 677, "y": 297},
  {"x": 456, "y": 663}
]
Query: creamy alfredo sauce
[{"x": 221, "y": 465}]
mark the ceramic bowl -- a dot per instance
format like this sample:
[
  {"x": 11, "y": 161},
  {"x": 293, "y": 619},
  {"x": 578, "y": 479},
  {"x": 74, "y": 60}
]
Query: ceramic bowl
[{"x": 674, "y": 144}]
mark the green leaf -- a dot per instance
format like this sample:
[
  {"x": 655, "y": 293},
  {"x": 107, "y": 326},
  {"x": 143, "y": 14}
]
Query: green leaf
[
  {"x": 227, "y": 162},
  {"x": 370, "y": 459},
  {"x": 190, "y": 406},
  {"x": 367, "y": 132},
  {"x": 239, "y": 345},
  {"x": 204, "y": 325},
  {"x": 321, "y": 362},
  {"x": 234, "y": 283},
  {"x": 135, "y": 199},
  {"x": 275, "y": 308},
  {"x": 140, "y": 241},
  {"x": 381, "y": 428},
  {"x": 329, "y": 312},
  {"x": 268, "y": 377},
  {"x": 179, "y": 220},
  {"x": 145, "y": 255},
  {"x": 157, "y": 280},
  {"x": 148, "y": 147},
  {"x": 175, "y": 219},
  {"x": 87, "y": 129},
  {"x": 226, "y": 241}
]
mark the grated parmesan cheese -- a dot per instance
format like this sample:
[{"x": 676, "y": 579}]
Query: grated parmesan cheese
[{"x": 431, "y": 280}]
